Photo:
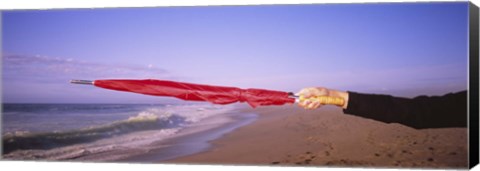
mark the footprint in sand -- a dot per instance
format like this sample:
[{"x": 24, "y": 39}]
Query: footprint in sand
[
  {"x": 406, "y": 152},
  {"x": 344, "y": 162},
  {"x": 307, "y": 161},
  {"x": 306, "y": 158}
]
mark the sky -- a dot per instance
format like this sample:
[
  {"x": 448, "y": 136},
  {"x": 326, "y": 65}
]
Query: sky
[{"x": 402, "y": 49}]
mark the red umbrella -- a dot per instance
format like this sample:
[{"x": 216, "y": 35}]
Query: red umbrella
[{"x": 199, "y": 92}]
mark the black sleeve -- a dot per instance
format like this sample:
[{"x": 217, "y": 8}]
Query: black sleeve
[{"x": 449, "y": 110}]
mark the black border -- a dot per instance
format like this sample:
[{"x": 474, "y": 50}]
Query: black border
[{"x": 473, "y": 86}]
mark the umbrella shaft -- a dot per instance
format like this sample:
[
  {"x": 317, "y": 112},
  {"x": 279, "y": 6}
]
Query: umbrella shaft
[{"x": 86, "y": 82}]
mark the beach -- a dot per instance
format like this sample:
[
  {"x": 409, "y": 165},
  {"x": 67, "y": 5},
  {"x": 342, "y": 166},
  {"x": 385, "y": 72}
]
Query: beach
[
  {"x": 326, "y": 137},
  {"x": 225, "y": 135}
]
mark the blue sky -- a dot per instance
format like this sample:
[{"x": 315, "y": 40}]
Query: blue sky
[{"x": 403, "y": 49}]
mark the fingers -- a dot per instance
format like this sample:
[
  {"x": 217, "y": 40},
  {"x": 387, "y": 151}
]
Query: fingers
[
  {"x": 314, "y": 105},
  {"x": 310, "y": 104},
  {"x": 304, "y": 103}
]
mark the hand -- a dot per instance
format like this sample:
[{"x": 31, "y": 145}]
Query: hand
[{"x": 311, "y": 92}]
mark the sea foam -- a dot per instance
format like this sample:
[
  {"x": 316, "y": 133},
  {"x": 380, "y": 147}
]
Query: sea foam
[{"x": 138, "y": 131}]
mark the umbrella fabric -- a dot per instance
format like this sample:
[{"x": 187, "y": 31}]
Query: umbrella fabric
[{"x": 198, "y": 92}]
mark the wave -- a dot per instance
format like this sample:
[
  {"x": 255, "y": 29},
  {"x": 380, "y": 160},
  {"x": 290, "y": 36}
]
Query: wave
[{"x": 48, "y": 140}]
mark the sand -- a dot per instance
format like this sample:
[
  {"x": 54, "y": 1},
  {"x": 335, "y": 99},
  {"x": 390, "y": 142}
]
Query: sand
[{"x": 292, "y": 136}]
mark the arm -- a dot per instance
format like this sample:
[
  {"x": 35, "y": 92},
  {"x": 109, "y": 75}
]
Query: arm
[
  {"x": 420, "y": 112},
  {"x": 449, "y": 110}
]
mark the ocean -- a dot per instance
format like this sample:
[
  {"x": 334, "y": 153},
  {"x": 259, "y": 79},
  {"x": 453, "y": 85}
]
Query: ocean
[{"x": 106, "y": 132}]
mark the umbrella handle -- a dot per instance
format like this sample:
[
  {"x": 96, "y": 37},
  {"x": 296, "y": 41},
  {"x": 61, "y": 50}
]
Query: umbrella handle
[{"x": 324, "y": 100}]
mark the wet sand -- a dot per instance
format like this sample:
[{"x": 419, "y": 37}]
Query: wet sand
[
  {"x": 291, "y": 136},
  {"x": 193, "y": 139}
]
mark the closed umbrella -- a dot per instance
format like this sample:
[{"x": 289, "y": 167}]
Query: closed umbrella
[{"x": 199, "y": 92}]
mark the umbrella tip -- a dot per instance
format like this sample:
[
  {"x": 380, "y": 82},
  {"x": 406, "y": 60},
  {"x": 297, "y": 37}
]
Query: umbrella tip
[
  {"x": 293, "y": 95},
  {"x": 88, "y": 82}
]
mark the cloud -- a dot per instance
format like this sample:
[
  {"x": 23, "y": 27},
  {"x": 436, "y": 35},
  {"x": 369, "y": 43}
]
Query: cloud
[
  {"x": 34, "y": 79},
  {"x": 50, "y": 68}
]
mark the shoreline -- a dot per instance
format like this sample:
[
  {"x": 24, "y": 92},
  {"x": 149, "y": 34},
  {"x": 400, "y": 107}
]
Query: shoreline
[
  {"x": 194, "y": 139},
  {"x": 141, "y": 145},
  {"x": 291, "y": 136}
]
